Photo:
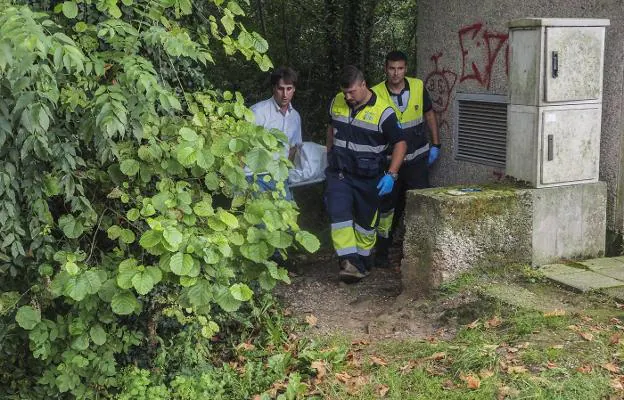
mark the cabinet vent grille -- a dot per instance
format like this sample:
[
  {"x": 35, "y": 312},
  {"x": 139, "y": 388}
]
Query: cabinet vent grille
[{"x": 481, "y": 131}]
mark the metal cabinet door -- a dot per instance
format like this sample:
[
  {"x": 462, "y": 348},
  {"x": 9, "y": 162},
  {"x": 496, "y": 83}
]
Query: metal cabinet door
[
  {"x": 570, "y": 144},
  {"x": 574, "y": 59}
]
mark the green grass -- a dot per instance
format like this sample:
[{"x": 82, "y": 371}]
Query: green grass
[{"x": 528, "y": 356}]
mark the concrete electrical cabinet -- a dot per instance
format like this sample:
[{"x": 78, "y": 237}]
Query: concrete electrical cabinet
[{"x": 555, "y": 100}]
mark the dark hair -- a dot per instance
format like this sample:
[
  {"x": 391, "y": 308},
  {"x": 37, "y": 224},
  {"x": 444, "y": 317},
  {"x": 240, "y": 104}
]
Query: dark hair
[
  {"x": 396, "y": 55},
  {"x": 350, "y": 75},
  {"x": 287, "y": 74}
]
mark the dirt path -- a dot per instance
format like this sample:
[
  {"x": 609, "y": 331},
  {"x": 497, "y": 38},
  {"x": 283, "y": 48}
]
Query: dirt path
[{"x": 371, "y": 309}]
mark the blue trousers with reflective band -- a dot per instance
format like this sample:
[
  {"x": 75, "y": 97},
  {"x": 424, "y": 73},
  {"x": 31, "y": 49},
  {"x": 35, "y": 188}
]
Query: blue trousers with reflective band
[
  {"x": 412, "y": 175},
  {"x": 352, "y": 204}
]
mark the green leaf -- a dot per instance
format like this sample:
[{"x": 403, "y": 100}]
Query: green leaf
[
  {"x": 227, "y": 218},
  {"x": 181, "y": 264},
  {"x": 80, "y": 27},
  {"x": 129, "y": 167},
  {"x": 258, "y": 159},
  {"x": 81, "y": 342},
  {"x": 188, "y": 134},
  {"x": 124, "y": 303},
  {"x": 71, "y": 227},
  {"x": 235, "y": 8},
  {"x": 228, "y": 23},
  {"x": 308, "y": 241},
  {"x": 211, "y": 181},
  {"x": 127, "y": 269},
  {"x": 241, "y": 292},
  {"x": 226, "y": 300},
  {"x": 279, "y": 239},
  {"x": 27, "y": 317},
  {"x": 143, "y": 282},
  {"x": 173, "y": 236},
  {"x": 258, "y": 252},
  {"x": 98, "y": 334},
  {"x": 113, "y": 232},
  {"x": 150, "y": 239},
  {"x": 203, "y": 208},
  {"x": 200, "y": 294},
  {"x": 127, "y": 236},
  {"x": 71, "y": 268},
  {"x": 133, "y": 214},
  {"x": 70, "y": 9}
]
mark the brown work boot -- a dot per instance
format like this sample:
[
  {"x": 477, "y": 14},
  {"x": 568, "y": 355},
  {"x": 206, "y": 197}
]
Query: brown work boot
[{"x": 349, "y": 273}]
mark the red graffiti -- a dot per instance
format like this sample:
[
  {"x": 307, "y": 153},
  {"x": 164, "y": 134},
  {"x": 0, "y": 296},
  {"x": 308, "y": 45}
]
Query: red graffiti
[
  {"x": 440, "y": 84},
  {"x": 479, "y": 50}
]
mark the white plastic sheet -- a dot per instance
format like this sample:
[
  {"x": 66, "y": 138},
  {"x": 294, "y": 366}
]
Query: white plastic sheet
[{"x": 309, "y": 165}]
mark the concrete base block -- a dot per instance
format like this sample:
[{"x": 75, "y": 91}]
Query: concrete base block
[{"x": 448, "y": 233}]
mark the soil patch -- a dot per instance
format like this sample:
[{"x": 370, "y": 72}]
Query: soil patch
[{"x": 371, "y": 309}]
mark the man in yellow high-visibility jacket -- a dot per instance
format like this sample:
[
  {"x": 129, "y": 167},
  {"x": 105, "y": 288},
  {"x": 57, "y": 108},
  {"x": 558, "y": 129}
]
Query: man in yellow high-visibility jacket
[{"x": 413, "y": 107}]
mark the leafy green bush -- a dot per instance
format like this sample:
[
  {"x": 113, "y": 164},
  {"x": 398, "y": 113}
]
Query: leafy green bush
[{"x": 125, "y": 214}]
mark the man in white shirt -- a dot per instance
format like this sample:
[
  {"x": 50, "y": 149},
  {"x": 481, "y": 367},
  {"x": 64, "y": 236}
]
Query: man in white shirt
[{"x": 277, "y": 112}]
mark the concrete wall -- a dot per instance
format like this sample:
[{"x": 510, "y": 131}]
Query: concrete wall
[{"x": 463, "y": 47}]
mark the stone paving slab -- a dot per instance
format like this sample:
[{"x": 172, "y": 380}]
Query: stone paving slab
[
  {"x": 518, "y": 296},
  {"x": 585, "y": 280},
  {"x": 606, "y": 262},
  {"x": 612, "y": 272},
  {"x": 559, "y": 269}
]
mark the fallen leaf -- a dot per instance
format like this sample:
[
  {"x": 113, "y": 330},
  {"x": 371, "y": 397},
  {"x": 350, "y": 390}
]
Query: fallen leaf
[
  {"x": 486, "y": 373},
  {"x": 407, "y": 367},
  {"x": 472, "y": 382},
  {"x": 586, "y": 318},
  {"x": 311, "y": 320},
  {"x": 320, "y": 368},
  {"x": 360, "y": 342},
  {"x": 436, "y": 356},
  {"x": 620, "y": 306},
  {"x": 494, "y": 322},
  {"x": 587, "y": 336},
  {"x": 353, "y": 360},
  {"x": 574, "y": 328},
  {"x": 448, "y": 385},
  {"x": 616, "y": 385},
  {"x": 519, "y": 369},
  {"x": 378, "y": 361},
  {"x": 615, "y": 321},
  {"x": 615, "y": 338},
  {"x": 512, "y": 349},
  {"x": 343, "y": 377},
  {"x": 473, "y": 324},
  {"x": 504, "y": 391},
  {"x": 551, "y": 365},
  {"x": 246, "y": 346},
  {"x": 557, "y": 312},
  {"x": 611, "y": 367},
  {"x": 382, "y": 390},
  {"x": 557, "y": 346},
  {"x": 585, "y": 369}
]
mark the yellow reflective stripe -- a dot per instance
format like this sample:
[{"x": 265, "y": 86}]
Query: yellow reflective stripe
[
  {"x": 365, "y": 242},
  {"x": 343, "y": 239},
  {"x": 363, "y": 148},
  {"x": 412, "y": 123},
  {"x": 385, "y": 224},
  {"x": 417, "y": 152}
]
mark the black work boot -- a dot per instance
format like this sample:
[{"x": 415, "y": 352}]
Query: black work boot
[{"x": 349, "y": 273}]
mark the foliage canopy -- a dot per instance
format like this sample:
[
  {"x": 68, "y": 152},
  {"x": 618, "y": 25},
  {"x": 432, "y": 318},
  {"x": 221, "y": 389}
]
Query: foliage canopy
[{"x": 123, "y": 198}]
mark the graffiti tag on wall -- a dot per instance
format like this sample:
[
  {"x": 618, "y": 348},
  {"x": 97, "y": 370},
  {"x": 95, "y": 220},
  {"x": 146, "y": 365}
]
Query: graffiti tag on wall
[{"x": 481, "y": 50}]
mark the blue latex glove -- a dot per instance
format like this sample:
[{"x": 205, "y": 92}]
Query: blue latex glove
[
  {"x": 385, "y": 185},
  {"x": 434, "y": 153}
]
